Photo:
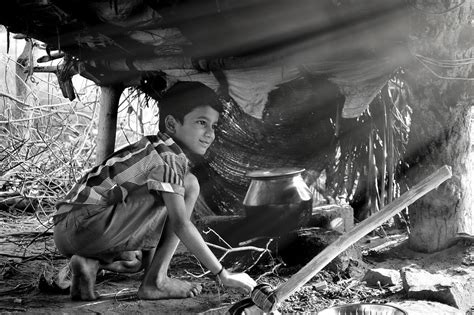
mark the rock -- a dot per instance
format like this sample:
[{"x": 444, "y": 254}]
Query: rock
[
  {"x": 333, "y": 217},
  {"x": 422, "y": 285},
  {"x": 382, "y": 277}
]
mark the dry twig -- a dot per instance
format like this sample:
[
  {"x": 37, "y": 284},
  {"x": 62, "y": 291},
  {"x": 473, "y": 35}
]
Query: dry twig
[{"x": 230, "y": 250}]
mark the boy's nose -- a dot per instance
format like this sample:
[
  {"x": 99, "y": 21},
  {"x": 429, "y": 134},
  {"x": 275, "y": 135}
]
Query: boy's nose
[{"x": 210, "y": 133}]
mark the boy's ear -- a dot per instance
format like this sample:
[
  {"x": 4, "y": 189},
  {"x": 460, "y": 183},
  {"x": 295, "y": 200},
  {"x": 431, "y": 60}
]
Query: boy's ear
[{"x": 170, "y": 124}]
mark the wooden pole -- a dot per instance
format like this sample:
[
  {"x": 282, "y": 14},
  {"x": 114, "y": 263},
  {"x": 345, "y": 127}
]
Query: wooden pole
[
  {"x": 349, "y": 238},
  {"x": 109, "y": 101}
]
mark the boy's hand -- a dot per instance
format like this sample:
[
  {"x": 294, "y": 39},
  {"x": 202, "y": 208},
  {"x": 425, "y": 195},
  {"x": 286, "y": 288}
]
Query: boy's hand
[{"x": 237, "y": 280}]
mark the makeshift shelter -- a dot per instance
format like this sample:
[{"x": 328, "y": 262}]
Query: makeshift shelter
[{"x": 289, "y": 71}]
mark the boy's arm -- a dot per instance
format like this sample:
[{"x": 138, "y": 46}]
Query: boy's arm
[
  {"x": 189, "y": 235},
  {"x": 187, "y": 232}
]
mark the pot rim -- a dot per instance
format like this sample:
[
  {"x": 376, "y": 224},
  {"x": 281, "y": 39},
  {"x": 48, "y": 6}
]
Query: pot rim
[{"x": 267, "y": 173}]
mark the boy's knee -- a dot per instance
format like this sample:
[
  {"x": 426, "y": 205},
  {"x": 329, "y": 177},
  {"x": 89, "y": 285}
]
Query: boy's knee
[{"x": 191, "y": 187}]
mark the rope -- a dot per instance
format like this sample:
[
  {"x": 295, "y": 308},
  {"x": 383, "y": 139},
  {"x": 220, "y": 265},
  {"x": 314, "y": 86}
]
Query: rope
[
  {"x": 264, "y": 297},
  {"x": 426, "y": 62}
]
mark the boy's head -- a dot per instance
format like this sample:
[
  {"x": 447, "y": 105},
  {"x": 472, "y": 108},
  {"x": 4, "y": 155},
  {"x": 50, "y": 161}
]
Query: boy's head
[
  {"x": 183, "y": 97},
  {"x": 188, "y": 113}
]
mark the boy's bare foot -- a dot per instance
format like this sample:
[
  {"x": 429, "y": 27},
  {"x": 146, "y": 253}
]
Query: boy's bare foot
[
  {"x": 84, "y": 273},
  {"x": 169, "y": 288}
]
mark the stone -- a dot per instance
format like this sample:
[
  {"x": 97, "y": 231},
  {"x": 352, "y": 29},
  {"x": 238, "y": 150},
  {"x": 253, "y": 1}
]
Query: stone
[
  {"x": 333, "y": 217},
  {"x": 423, "y": 285},
  {"x": 382, "y": 277}
]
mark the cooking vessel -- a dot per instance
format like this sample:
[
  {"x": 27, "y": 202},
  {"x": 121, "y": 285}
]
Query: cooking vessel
[{"x": 277, "y": 200}]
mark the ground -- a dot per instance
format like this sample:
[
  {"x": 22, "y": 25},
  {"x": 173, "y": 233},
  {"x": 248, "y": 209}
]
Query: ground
[{"x": 29, "y": 265}]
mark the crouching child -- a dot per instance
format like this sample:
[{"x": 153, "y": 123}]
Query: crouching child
[{"x": 130, "y": 212}]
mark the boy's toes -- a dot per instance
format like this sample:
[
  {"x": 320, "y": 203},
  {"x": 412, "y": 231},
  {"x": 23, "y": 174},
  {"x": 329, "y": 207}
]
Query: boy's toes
[{"x": 195, "y": 290}]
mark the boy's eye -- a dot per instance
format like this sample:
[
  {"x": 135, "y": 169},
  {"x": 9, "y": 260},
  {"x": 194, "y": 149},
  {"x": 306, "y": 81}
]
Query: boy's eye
[{"x": 201, "y": 122}]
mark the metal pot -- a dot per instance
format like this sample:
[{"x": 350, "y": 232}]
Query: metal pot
[{"x": 277, "y": 200}]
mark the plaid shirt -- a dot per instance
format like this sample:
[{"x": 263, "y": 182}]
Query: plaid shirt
[{"x": 155, "y": 163}]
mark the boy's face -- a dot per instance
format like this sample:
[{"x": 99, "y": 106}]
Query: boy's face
[{"x": 196, "y": 133}]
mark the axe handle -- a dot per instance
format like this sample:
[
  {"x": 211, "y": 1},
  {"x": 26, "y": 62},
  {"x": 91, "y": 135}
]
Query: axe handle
[{"x": 359, "y": 231}]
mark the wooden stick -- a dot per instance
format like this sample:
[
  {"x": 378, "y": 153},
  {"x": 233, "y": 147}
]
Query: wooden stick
[
  {"x": 359, "y": 231},
  {"x": 109, "y": 103}
]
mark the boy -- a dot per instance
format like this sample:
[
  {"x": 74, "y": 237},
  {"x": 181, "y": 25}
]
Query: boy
[{"x": 130, "y": 212}]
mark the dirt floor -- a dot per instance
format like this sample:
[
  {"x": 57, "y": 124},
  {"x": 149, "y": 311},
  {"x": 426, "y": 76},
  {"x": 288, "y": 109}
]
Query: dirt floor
[{"x": 29, "y": 266}]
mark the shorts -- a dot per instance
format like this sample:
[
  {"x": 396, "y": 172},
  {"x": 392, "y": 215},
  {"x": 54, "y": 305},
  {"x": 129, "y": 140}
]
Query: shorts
[{"x": 98, "y": 231}]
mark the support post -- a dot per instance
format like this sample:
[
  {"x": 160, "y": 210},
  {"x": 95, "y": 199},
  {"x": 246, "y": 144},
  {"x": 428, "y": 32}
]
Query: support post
[
  {"x": 109, "y": 102},
  {"x": 440, "y": 131}
]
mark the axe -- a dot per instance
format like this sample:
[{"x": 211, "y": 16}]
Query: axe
[{"x": 265, "y": 299}]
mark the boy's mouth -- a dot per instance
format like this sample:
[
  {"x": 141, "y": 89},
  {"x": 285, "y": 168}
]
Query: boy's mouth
[{"x": 205, "y": 143}]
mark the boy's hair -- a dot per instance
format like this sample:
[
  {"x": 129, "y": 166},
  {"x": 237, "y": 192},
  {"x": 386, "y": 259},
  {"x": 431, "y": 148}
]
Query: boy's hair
[{"x": 184, "y": 97}]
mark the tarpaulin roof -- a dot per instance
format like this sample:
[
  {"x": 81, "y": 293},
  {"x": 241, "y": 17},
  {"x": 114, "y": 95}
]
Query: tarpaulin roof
[
  {"x": 258, "y": 45},
  {"x": 290, "y": 66}
]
